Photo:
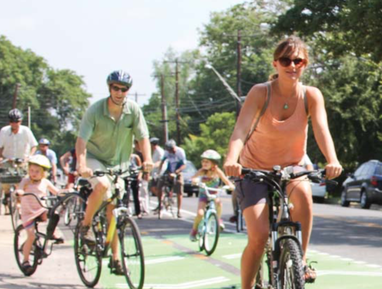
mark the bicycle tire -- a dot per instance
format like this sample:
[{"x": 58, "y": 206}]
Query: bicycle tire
[
  {"x": 13, "y": 209},
  {"x": 291, "y": 274},
  {"x": 88, "y": 260},
  {"x": 211, "y": 233},
  {"x": 201, "y": 229},
  {"x": 18, "y": 244},
  {"x": 132, "y": 255}
]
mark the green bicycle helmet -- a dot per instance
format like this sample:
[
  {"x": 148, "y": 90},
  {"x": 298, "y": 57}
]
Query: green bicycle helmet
[{"x": 211, "y": 155}]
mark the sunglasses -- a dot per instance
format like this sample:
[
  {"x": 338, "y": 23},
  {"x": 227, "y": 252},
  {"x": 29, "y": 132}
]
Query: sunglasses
[
  {"x": 285, "y": 62},
  {"x": 116, "y": 88},
  {"x": 15, "y": 121}
]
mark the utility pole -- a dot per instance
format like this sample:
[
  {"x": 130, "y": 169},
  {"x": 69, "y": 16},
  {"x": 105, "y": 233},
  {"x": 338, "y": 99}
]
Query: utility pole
[
  {"x": 177, "y": 101},
  {"x": 238, "y": 74},
  {"x": 15, "y": 96},
  {"x": 164, "y": 110}
]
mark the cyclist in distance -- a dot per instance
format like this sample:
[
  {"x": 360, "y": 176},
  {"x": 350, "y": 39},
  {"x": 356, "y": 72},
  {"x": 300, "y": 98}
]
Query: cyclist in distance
[
  {"x": 157, "y": 155},
  {"x": 105, "y": 140},
  {"x": 37, "y": 184},
  {"x": 43, "y": 145},
  {"x": 16, "y": 141},
  {"x": 209, "y": 174},
  {"x": 68, "y": 163},
  {"x": 279, "y": 138},
  {"x": 176, "y": 163}
]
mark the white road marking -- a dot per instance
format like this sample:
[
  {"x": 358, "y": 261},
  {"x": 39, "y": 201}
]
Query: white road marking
[
  {"x": 163, "y": 260},
  {"x": 186, "y": 285},
  {"x": 349, "y": 273}
]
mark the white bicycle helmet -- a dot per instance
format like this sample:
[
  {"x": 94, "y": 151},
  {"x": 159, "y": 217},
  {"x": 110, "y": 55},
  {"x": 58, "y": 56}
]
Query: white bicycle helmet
[
  {"x": 41, "y": 161},
  {"x": 211, "y": 155}
]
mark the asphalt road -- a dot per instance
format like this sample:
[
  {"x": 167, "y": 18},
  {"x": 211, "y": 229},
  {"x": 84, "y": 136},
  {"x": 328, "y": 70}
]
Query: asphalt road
[{"x": 345, "y": 242}]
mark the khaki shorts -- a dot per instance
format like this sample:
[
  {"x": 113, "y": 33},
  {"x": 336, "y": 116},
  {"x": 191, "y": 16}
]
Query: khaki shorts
[{"x": 97, "y": 165}]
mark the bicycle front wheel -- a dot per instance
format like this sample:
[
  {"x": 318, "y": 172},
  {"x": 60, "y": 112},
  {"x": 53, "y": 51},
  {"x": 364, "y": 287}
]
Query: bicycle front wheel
[
  {"x": 87, "y": 258},
  {"x": 291, "y": 274},
  {"x": 69, "y": 211},
  {"x": 18, "y": 246},
  {"x": 14, "y": 208},
  {"x": 211, "y": 234},
  {"x": 132, "y": 253}
]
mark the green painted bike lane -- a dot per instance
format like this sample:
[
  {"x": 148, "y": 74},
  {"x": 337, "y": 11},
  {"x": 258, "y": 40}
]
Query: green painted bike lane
[{"x": 172, "y": 261}]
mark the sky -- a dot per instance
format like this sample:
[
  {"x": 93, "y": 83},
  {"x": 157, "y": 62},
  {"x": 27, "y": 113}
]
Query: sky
[{"x": 95, "y": 37}]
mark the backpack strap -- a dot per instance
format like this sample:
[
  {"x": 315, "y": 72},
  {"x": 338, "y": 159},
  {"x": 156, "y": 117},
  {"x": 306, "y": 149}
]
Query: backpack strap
[
  {"x": 305, "y": 100},
  {"x": 268, "y": 97}
]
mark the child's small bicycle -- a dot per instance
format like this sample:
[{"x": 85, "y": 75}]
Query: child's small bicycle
[
  {"x": 208, "y": 229},
  {"x": 42, "y": 240}
]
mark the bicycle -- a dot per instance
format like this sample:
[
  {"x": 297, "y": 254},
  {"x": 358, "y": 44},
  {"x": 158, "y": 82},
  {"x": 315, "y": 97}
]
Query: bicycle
[
  {"x": 283, "y": 251},
  {"x": 40, "y": 245},
  {"x": 167, "y": 195},
  {"x": 88, "y": 257},
  {"x": 76, "y": 207},
  {"x": 208, "y": 229},
  {"x": 12, "y": 176}
]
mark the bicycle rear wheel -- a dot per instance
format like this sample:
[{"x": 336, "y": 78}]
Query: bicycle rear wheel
[
  {"x": 69, "y": 212},
  {"x": 18, "y": 245},
  {"x": 87, "y": 258},
  {"x": 211, "y": 233},
  {"x": 131, "y": 253},
  {"x": 291, "y": 274},
  {"x": 14, "y": 208}
]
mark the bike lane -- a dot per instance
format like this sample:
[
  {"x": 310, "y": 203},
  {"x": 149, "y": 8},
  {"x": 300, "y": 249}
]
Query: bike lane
[{"x": 172, "y": 261}]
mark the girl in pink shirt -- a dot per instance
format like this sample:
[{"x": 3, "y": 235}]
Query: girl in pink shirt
[
  {"x": 37, "y": 184},
  {"x": 279, "y": 139}
]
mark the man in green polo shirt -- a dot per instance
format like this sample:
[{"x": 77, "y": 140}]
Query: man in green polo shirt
[{"x": 105, "y": 140}]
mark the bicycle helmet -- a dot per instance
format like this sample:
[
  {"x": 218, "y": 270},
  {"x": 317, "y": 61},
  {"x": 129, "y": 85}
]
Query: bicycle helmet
[
  {"x": 44, "y": 141},
  {"x": 121, "y": 77},
  {"x": 15, "y": 115},
  {"x": 154, "y": 140},
  {"x": 211, "y": 155},
  {"x": 170, "y": 144},
  {"x": 41, "y": 161}
]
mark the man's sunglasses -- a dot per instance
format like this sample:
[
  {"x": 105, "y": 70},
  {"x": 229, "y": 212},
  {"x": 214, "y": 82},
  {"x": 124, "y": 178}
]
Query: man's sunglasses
[
  {"x": 116, "y": 88},
  {"x": 285, "y": 61}
]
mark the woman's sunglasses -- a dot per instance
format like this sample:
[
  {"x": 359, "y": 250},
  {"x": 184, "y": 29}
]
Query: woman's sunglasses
[
  {"x": 116, "y": 88},
  {"x": 285, "y": 61}
]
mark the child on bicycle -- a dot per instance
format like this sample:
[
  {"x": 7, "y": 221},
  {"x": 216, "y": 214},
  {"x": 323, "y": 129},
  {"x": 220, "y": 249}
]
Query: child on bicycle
[
  {"x": 209, "y": 174},
  {"x": 36, "y": 183}
]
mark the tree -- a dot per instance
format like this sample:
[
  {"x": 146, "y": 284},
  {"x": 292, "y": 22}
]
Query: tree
[
  {"x": 57, "y": 98},
  {"x": 215, "y": 134},
  {"x": 342, "y": 26}
]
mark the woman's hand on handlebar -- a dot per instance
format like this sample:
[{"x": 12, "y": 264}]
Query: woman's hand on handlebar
[
  {"x": 232, "y": 169},
  {"x": 333, "y": 170}
]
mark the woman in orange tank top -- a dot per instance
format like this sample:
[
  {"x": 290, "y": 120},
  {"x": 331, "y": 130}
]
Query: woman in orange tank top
[{"x": 279, "y": 139}]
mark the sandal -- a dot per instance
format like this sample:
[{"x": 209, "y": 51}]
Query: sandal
[
  {"x": 310, "y": 274},
  {"x": 27, "y": 268},
  {"x": 116, "y": 267}
]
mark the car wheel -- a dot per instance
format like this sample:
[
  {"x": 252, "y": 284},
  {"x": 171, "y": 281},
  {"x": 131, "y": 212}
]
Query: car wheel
[
  {"x": 365, "y": 203},
  {"x": 344, "y": 202},
  {"x": 189, "y": 195}
]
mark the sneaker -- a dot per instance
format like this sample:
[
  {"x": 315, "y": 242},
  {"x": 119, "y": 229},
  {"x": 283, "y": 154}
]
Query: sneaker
[
  {"x": 57, "y": 240},
  {"x": 87, "y": 234},
  {"x": 179, "y": 215},
  {"x": 115, "y": 267},
  {"x": 221, "y": 225},
  {"x": 193, "y": 235}
]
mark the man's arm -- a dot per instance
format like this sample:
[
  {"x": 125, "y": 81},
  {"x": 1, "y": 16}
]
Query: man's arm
[
  {"x": 33, "y": 151},
  {"x": 145, "y": 146},
  {"x": 64, "y": 162},
  {"x": 82, "y": 169}
]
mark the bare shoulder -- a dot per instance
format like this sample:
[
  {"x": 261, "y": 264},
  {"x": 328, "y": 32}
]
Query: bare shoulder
[
  {"x": 313, "y": 94},
  {"x": 258, "y": 93}
]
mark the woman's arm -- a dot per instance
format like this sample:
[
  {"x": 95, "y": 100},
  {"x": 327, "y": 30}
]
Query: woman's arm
[
  {"x": 224, "y": 178},
  {"x": 321, "y": 132},
  {"x": 251, "y": 107},
  {"x": 52, "y": 188}
]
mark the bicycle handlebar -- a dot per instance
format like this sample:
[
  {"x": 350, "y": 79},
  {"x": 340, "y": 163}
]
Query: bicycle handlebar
[
  {"x": 45, "y": 198},
  {"x": 208, "y": 189}
]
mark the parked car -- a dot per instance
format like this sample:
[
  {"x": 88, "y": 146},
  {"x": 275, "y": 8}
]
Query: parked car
[
  {"x": 364, "y": 185},
  {"x": 188, "y": 172},
  {"x": 319, "y": 191}
]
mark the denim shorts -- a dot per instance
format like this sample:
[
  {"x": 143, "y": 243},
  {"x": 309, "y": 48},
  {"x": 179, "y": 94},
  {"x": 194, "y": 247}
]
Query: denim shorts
[{"x": 250, "y": 193}]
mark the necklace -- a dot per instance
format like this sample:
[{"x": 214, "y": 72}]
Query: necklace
[{"x": 286, "y": 106}]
